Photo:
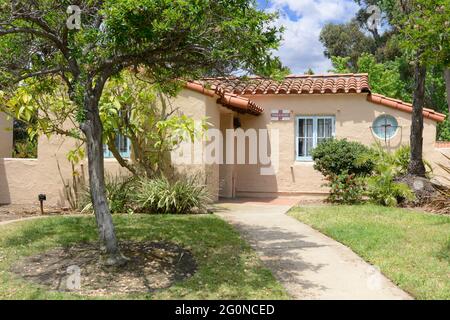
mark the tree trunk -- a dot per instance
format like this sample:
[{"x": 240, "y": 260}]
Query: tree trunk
[
  {"x": 93, "y": 130},
  {"x": 416, "y": 166},
  {"x": 447, "y": 86}
]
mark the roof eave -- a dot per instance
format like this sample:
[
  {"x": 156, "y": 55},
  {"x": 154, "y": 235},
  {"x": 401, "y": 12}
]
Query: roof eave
[{"x": 404, "y": 106}]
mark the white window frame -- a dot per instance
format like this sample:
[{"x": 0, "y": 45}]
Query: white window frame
[{"x": 315, "y": 138}]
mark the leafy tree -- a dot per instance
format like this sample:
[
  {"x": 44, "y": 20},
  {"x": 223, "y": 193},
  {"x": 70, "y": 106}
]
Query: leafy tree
[
  {"x": 346, "y": 40},
  {"x": 172, "y": 39},
  {"x": 141, "y": 112},
  {"x": 425, "y": 35},
  {"x": 387, "y": 50},
  {"x": 385, "y": 78},
  {"x": 426, "y": 30}
]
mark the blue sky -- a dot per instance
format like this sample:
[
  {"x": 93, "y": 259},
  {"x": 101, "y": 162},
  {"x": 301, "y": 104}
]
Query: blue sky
[{"x": 303, "y": 21}]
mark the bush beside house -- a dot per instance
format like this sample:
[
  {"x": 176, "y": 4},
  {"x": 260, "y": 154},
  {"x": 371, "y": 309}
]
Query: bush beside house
[{"x": 355, "y": 171}]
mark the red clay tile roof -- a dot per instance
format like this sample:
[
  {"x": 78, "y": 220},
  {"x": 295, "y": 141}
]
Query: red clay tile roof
[
  {"x": 229, "y": 100},
  {"x": 404, "y": 106},
  {"x": 293, "y": 84},
  {"x": 443, "y": 144},
  {"x": 235, "y": 93}
]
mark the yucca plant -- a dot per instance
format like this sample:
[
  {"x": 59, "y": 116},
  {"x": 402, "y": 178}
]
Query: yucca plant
[{"x": 159, "y": 195}]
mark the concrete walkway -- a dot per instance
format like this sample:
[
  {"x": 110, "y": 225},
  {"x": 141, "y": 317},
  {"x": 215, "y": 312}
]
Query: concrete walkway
[{"x": 308, "y": 264}]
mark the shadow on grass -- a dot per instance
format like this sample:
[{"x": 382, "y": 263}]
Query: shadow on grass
[{"x": 227, "y": 267}]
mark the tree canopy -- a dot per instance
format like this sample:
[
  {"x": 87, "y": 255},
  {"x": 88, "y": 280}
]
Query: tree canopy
[{"x": 172, "y": 40}]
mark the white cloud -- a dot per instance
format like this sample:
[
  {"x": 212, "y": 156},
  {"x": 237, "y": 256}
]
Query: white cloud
[{"x": 303, "y": 20}]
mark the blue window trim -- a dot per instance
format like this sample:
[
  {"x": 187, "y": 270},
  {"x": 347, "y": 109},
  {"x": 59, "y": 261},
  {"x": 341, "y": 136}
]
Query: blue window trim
[
  {"x": 108, "y": 154},
  {"x": 315, "y": 121}
]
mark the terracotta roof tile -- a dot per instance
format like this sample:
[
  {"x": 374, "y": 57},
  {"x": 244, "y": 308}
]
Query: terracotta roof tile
[
  {"x": 231, "y": 101},
  {"x": 234, "y": 93},
  {"x": 293, "y": 84},
  {"x": 404, "y": 106},
  {"x": 443, "y": 144}
]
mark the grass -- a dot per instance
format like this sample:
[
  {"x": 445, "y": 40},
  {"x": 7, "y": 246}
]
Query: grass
[
  {"x": 411, "y": 248},
  {"x": 227, "y": 266}
]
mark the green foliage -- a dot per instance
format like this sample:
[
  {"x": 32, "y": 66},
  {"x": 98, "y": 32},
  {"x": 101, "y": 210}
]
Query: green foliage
[
  {"x": 345, "y": 188},
  {"x": 25, "y": 149},
  {"x": 383, "y": 190},
  {"x": 444, "y": 129},
  {"x": 384, "y": 78},
  {"x": 340, "y": 64},
  {"x": 425, "y": 31},
  {"x": 346, "y": 40},
  {"x": 334, "y": 157},
  {"x": 119, "y": 191},
  {"x": 127, "y": 194},
  {"x": 343, "y": 163},
  {"x": 415, "y": 29},
  {"x": 160, "y": 195},
  {"x": 354, "y": 171},
  {"x": 397, "y": 160},
  {"x": 138, "y": 110}
]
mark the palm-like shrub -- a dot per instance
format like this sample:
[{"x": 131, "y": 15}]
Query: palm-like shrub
[
  {"x": 162, "y": 196},
  {"x": 398, "y": 160},
  {"x": 382, "y": 188}
]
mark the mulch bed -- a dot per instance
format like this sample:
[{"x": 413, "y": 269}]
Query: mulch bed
[{"x": 152, "y": 266}]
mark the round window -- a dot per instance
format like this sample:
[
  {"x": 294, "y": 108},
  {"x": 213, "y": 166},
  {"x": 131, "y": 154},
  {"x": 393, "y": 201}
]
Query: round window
[{"x": 385, "y": 127}]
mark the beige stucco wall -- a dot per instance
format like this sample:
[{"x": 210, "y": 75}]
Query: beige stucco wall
[
  {"x": 21, "y": 180},
  {"x": 6, "y": 136},
  {"x": 200, "y": 107},
  {"x": 354, "y": 117}
]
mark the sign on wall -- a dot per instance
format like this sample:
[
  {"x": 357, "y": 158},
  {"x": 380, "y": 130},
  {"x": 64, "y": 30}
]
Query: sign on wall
[{"x": 280, "y": 115}]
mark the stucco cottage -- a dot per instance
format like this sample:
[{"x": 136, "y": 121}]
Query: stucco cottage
[{"x": 298, "y": 113}]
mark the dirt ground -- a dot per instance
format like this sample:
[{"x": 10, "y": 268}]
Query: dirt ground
[
  {"x": 14, "y": 212},
  {"x": 152, "y": 266}
]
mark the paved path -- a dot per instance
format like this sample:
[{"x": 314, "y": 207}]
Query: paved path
[{"x": 308, "y": 264}]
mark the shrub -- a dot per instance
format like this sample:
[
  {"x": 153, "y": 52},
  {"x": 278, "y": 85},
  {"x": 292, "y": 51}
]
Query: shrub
[
  {"x": 161, "y": 196},
  {"x": 334, "y": 157},
  {"x": 119, "y": 190},
  {"x": 343, "y": 163},
  {"x": 382, "y": 188},
  {"x": 345, "y": 188},
  {"x": 398, "y": 159}
]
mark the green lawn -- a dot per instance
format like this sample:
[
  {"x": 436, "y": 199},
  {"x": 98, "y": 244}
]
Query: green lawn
[
  {"x": 411, "y": 248},
  {"x": 227, "y": 266}
]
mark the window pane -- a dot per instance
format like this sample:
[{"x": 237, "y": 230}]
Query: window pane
[
  {"x": 385, "y": 127},
  {"x": 122, "y": 144},
  {"x": 305, "y": 146},
  {"x": 325, "y": 128},
  {"x": 305, "y": 127}
]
